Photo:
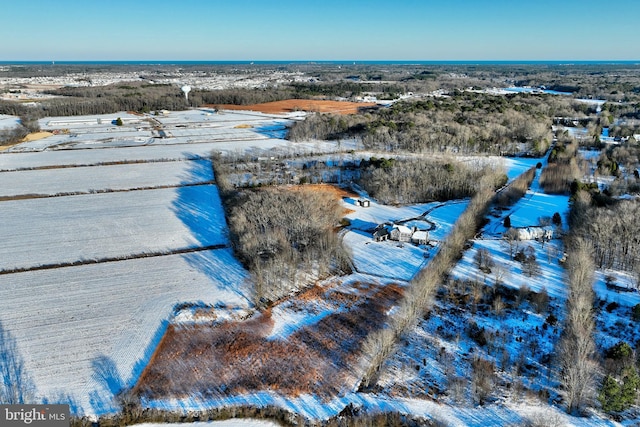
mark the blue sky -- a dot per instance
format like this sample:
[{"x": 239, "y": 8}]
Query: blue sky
[{"x": 319, "y": 30}]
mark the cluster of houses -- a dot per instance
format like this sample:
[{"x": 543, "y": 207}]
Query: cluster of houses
[{"x": 400, "y": 233}]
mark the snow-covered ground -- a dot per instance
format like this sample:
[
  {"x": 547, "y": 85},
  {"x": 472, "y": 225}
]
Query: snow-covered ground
[
  {"x": 84, "y": 332},
  {"x": 236, "y": 422},
  {"x": 88, "y": 330},
  {"x": 180, "y": 127},
  {"x": 115, "y": 177},
  {"x": 249, "y": 77},
  {"x": 8, "y": 122},
  {"x": 109, "y": 225}
]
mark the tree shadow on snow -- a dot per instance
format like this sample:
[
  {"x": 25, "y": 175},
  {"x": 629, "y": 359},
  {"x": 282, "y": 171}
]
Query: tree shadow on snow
[
  {"x": 199, "y": 207},
  {"x": 200, "y": 171},
  {"x": 221, "y": 266},
  {"x": 106, "y": 374},
  {"x": 16, "y": 385}
]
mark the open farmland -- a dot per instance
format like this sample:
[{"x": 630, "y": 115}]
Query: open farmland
[
  {"x": 123, "y": 256},
  {"x": 87, "y": 331},
  {"x": 312, "y": 105},
  {"x": 101, "y": 248},
  {"x": 109, "y": 226},
  {"x": 115, "y": 177}
]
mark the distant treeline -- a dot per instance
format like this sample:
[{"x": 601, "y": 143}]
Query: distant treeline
[{"x": 147, "y": 97}]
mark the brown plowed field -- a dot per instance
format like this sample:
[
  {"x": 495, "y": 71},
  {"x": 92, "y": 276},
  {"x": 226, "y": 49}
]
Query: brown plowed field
[
  {"x": 312, "y": 105},
  {"x": 236, "y": 358}
]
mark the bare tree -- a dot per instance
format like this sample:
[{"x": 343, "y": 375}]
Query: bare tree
[
  {"x": 511, "y": 242},
  {"x": 576, "y": 347}
]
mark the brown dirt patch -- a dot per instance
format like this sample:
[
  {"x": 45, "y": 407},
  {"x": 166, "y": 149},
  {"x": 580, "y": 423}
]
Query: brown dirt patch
[
  {"x": 36, "y": 136},
  {"x": 237, "y": 357},
  {"x": 337, "y": 192},
  {"x": 6, "y": 147},
  {"x": 311, "y": 105},
  {"x": 325, "y": 188}
]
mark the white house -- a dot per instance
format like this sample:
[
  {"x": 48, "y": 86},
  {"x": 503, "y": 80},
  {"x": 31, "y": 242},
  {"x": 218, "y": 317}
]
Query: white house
[
  {"x": 534, "y": 233},
  {"x": 401, "y": 233}
]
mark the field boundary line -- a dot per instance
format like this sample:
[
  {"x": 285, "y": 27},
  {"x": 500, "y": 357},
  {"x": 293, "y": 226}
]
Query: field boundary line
[
  {"x": 102, "y": 191},
  {"x": 113, "y": 259}
]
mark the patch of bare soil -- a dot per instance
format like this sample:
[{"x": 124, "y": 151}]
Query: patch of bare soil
[
  {"x": 34, "y": 136},
  {"x": 337, "y": 192},
  {"x": 311, "y": 105},
  {"x": 235, "y": 358}
]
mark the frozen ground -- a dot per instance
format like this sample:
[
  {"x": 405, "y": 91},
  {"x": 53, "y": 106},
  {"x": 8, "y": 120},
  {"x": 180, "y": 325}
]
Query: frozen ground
[
  {"x": 87, "y": 331},
  {"x": 171, "y": 128},
  {"x": 236, "y": 422},
  {"x": 8, "y": 122},
  {"x": 115, "y": 177},
  {"x": 109, "y": 225}
]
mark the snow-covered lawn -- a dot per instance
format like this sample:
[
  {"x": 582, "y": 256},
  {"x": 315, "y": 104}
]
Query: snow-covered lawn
[
  {"x": 390, "y": 259},
  {"x": 394, "y": 259},
  {"x": 86, "y": 331},
  {"x": 51, "y": 182},
  {"x": 510, "y": 272}
]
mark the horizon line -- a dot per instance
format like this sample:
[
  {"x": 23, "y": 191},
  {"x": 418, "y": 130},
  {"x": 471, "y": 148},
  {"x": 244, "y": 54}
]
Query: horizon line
[{"x": 311, "y": 61}]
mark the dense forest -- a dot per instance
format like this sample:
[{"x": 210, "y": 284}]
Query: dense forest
[
  {"x": 465, "y": 122},
  {"x": 423, "y": 180}
]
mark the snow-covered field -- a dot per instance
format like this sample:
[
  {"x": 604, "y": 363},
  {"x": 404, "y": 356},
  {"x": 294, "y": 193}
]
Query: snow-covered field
[
  {"x": 86, "y": 331},
  {"x": 59, "y": 230},
  {"x": 116, "y": 177},
  {"x": 8, "y": 122}
]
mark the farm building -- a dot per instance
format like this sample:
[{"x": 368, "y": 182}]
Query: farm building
[
  {"x": 365, "y": 203},
  {"x": 390, "y": 231},
  {"x": 381, "y": 232}
]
